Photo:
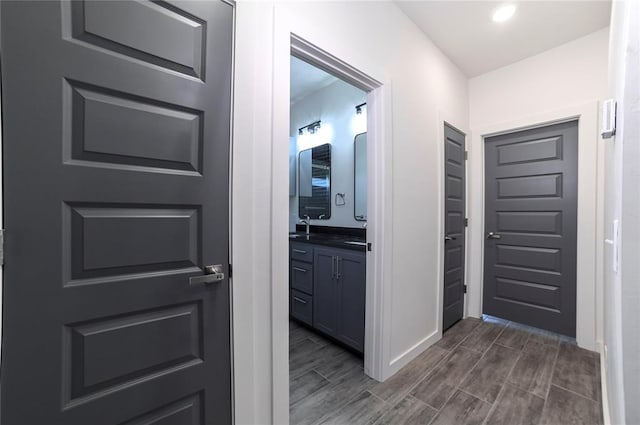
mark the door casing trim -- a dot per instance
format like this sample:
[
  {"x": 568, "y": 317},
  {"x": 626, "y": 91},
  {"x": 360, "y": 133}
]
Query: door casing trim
[
  {"x": 590, "y": 217},
  {"x": 377, "y": 360},
  {"x": 306, "y": 51}
]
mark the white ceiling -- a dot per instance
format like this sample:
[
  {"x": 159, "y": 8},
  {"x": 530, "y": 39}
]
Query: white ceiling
[
  {"x": 306, "y": 79},
  {"x": 465, "y": 32}
]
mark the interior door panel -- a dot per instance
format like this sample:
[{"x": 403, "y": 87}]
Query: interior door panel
[
  {"x": 531, "y": 212},
  {"x": 116, "y": 168},
  {"x": 455, "y": 237}
]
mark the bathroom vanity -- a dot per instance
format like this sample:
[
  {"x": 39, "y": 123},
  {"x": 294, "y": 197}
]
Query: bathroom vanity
[{"x": 327, "y": 279}]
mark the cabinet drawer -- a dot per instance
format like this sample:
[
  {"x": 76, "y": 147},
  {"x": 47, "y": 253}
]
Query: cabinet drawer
[
  {"x": 302, "y": 307},
  {"x": 301, "y": 252},
  {"x": 302, "y": 277}
]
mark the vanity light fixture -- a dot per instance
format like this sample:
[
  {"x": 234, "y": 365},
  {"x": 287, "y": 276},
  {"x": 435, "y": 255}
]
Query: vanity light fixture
[
  {"x": 504, "y": 12},
  {"x": 359, "y": 108},
  {"x": 311, "y": 128}
]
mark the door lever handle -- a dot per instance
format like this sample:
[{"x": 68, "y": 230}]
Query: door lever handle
[
  {"x": 448, "y": 238},
  {"x": 493, "y": 235},
  {"x": 212, "y": 274}
]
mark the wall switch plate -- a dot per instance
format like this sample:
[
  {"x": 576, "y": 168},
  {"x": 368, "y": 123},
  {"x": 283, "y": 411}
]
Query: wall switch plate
[{"x": 608, "y": 119}]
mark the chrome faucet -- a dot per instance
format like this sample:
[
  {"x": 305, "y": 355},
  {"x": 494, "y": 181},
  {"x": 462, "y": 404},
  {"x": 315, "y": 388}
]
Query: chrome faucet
[{"x": 307, "y": 222}]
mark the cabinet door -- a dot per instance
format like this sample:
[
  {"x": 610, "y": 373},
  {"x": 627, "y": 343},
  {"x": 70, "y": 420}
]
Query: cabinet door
[
  {"x": 352, "y": 281},
  {"x": 325, "y": 293}
]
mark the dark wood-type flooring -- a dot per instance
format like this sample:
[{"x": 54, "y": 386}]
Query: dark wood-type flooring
[{"x": 482, "y": 372}]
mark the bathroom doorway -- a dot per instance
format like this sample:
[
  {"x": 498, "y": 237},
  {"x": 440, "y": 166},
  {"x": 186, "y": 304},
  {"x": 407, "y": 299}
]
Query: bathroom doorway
[
  {"x": 327, "y": 239},
  {"x": 377, "y": 362}
]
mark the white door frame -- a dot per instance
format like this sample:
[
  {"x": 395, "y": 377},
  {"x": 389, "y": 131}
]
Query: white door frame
[
  {"x": 377, "y": 338},
  {"x": 322, "y": 60},
  {"x": 589, "y": 233}
]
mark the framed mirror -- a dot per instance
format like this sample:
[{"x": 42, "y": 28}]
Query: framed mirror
[
  {"x": 360, "y": 177},
  {"x": 314, "y": 182}
]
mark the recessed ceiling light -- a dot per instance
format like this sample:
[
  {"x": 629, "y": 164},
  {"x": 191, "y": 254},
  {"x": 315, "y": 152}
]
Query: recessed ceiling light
[{"x": 504, "y": 12}]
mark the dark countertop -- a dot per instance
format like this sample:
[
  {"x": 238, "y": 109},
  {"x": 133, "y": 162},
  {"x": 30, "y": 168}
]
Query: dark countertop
[{"x": 354, "y": 243}]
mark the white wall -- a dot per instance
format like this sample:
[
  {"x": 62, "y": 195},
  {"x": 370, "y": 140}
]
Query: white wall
[
  {"x": 622, "y": 287},
  {"x": 569, "y": 74},
  {"x": 334, "y": 105},
  {"x": 564, "y": 80},
  {"x": 379, "y": 40}
]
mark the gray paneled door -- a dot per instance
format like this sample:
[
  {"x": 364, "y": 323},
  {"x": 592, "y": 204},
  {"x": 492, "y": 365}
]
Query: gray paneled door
[
  {"x": 116, "y": 122},
  {"x": 454, "y": 240},
  {"x": 530, "y": 223}
]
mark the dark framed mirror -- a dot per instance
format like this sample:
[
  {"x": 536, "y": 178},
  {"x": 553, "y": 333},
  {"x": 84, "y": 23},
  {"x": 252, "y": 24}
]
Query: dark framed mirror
[
  {"x": 360, "y": 177},
  {"x": 314, "y": 182}
]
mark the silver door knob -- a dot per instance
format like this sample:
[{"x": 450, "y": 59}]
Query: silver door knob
[{"x": 493, "y": 235}]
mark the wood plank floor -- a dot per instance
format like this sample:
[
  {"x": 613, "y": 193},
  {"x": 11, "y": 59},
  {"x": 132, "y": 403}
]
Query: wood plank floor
[{"x": 482, "y": 372}]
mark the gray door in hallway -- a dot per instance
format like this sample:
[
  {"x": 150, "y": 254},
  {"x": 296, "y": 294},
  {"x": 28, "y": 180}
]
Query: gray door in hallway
[
  {"x": 531, "y": 180},
  {"x": 116, "y": 169},
  {"x": 454, "y": 243}
]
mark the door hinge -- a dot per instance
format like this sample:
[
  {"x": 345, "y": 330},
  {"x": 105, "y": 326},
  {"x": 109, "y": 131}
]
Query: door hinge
[
  {"x": 466, "y": 222},
  {"x": 466, "y": 155},
  {"x": 1, "y": 247},
  {"x": 464, "y": 288},
  {"x": 230, "y": 271},
  {"x": 369, "y": 246}
]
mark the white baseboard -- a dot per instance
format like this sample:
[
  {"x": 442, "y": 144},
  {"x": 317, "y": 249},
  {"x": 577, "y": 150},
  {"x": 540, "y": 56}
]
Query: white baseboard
[{"x": 403, "y": 359}]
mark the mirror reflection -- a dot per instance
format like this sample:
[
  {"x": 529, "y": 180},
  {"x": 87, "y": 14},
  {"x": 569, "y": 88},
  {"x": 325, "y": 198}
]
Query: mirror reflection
[
  {"x": 314, "y": 182},
  {"x": 360, "y": 177}
]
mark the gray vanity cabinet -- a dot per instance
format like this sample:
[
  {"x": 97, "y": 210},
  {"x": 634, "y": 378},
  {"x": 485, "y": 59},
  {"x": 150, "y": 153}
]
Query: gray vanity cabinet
[
  {"x": 325, "y": 289},
  {"x": 339, "y": 290},
  {"x": 351, "y": 269}
]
